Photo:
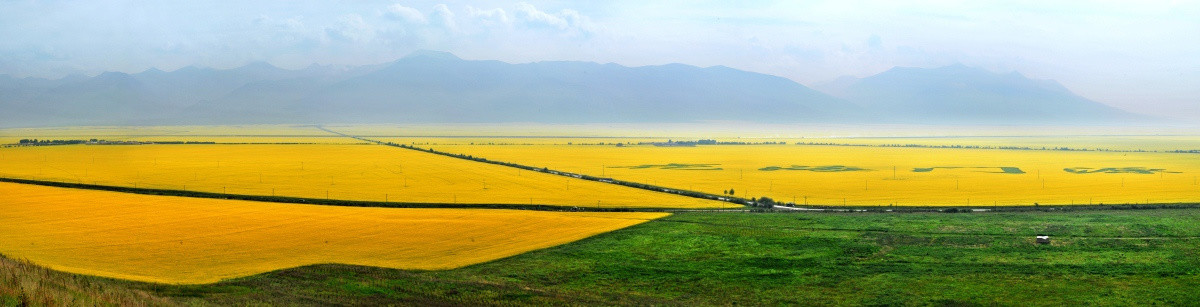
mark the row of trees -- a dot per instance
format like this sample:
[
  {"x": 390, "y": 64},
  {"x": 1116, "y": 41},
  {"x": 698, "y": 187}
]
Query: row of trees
[{"x": 49, "y": 142}]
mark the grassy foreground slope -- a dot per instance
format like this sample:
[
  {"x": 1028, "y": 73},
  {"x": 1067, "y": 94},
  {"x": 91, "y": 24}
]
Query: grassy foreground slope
[
  {"x": 1097, "y": 257},
  {"x": 25, "y": 284}
]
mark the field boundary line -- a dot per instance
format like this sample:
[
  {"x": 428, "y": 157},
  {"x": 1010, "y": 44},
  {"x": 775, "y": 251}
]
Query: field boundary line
[
  {"x": 631, "y": 184},
  {"x": 750, "y": 203},
  {"x": 930, "y": 233},
  {"x": 322, "y": 201}
]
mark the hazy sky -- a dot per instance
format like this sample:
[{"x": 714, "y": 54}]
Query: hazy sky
[{"x": 1142, "y": 56}]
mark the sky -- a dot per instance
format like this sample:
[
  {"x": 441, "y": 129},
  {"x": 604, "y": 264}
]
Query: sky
[{"x": 1141, "y": 56}]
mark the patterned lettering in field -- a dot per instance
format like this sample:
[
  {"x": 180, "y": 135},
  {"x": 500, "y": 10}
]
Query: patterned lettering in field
[
  {"x": 676, "y": 166},
  {"x": 1003, "y": 169},
  {"x": 1117, "y": 170},
  {"x": 821, "y": 169}
]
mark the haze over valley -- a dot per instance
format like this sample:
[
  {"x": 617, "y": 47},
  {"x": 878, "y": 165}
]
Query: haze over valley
[
  {"x": 599, "y": 153},
  {"x": 439, "y": 87}
]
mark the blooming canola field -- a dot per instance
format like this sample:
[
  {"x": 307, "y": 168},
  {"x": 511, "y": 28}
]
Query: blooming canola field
[
  {"x": 196, "y": 240},
  {"x": 240, "y": 134},
  {"x": 874, "y": 176},
  {"x": 347, "y": 172}
]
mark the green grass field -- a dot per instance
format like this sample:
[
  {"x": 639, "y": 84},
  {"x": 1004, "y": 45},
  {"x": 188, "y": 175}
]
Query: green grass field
[{"x": 1110, "y": 257}]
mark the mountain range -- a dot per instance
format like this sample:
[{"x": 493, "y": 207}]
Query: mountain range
[{"x": 430, "y": 86}]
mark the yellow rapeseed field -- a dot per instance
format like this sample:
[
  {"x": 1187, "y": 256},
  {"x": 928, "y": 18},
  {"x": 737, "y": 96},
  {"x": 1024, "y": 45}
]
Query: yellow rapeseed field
[
  {"x": 1117, "y": 143},
  {"x": 125, "y": 131},
  {"x": 350, "y": 172},
  {"x": 195, "y": 240},
  {"x": 855, "y": 175},
  {"x": 218, "y": 134}
]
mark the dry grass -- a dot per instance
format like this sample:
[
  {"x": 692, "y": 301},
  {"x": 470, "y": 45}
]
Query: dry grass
[{"x": 25, "y": 284}]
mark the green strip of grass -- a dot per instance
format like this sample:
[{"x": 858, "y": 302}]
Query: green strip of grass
[{"x": 1096, "y": 257}]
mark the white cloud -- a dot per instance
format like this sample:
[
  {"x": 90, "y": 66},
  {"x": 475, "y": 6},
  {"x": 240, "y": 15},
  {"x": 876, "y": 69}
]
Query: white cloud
[
  {"x": 492, "y": 17},
  {"x": 444, "y": 17},
  {"x": 567, "y": 19},
  {"x": 406, "y": 14},
  {"x": 282, "y": 24},
  {"x": 529, "y": 14},
  {"x": 577, "y": 20},
  {"x": 351, "y": 27}
]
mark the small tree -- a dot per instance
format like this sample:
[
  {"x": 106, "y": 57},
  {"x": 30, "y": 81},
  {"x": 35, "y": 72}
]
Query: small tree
[{"x": 765, "y": 202}]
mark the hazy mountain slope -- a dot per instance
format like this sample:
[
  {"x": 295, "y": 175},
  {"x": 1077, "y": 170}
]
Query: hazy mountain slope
[
  {"x": 15, "y": 95},
  {"x": 109, "y": 98},
  {"x": 257, "y": 102},
  {"x": 191, "y": 85},
  {"x": 960, "y": 94},
  {"x": 836, "y": 87},
  {"x": 432, "y": 86}
]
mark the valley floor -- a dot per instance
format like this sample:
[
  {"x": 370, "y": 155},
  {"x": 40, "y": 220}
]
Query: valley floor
[{"x": 1137, "y": 257}]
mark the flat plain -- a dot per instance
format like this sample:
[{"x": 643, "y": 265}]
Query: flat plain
[
  {"x": 345, "y": 172},
  {"x": 240, "y": 252},
  {"x": 217, "y": 134},
  {"x": 878, "y": 175}
]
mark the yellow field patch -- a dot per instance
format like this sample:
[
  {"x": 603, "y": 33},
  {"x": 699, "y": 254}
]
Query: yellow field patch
[
  {"x": 372, "y": 173},
  {"x": 350, "y": 172},
  {"x": 1116, "y": 143},
  {"x": 217, "y": 134},
  {"x": 855, "y": 175},
  {"x": 195, "y": 240}
]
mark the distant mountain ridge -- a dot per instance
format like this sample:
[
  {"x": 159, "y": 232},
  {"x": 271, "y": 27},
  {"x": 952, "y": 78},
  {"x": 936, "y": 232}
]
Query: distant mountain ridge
[
  {"x": 430, "y": 86},
  {"x": 958, "y": 94}
]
